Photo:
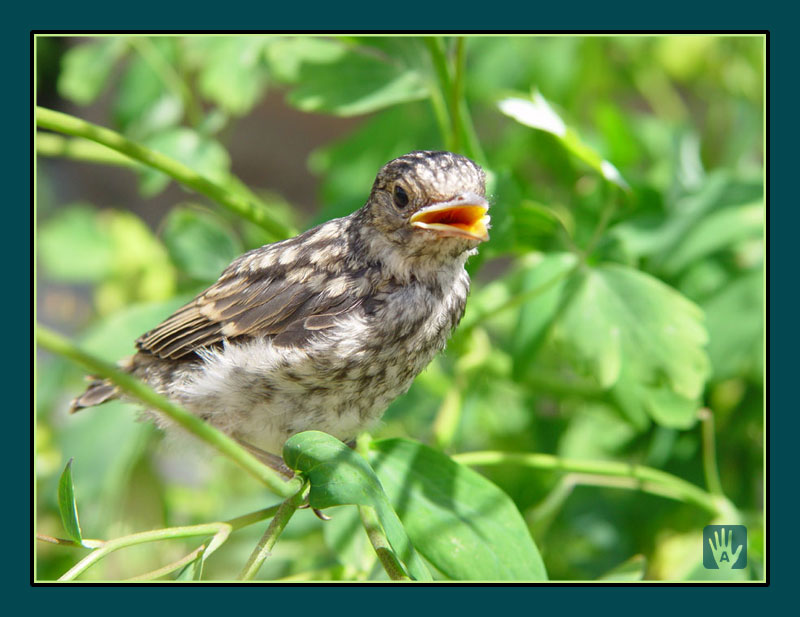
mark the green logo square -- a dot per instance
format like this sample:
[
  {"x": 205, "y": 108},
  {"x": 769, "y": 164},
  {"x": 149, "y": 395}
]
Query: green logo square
[{"x": 724, "y": 547}]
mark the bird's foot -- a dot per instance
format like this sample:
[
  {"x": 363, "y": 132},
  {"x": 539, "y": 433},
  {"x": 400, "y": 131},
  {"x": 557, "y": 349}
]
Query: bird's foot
[{"x": 273, "y": 461}]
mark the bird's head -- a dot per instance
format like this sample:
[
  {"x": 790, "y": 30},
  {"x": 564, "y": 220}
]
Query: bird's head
[{"x": 431, "y": 202}]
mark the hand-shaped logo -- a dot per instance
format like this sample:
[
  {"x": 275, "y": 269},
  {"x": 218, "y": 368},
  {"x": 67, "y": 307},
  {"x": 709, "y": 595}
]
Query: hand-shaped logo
[{"x": 724, "y": 547}]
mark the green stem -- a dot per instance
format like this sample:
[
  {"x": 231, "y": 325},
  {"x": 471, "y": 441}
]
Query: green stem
[
  {"x": 130, "y": 385},
  {"x": 602, "y": 224},
  {"x": 220, "y": 531},
  {"x": 241, "y": 205},
  {"x": 171, "y": 567},
  {"x": 391, "y": 564},
  {"x": 459, "y": 134},
  {"x": 710, "y": 469},
  {"x": 639, "y": 477},
  {"x": 270, "y": 537},
  {"x": 440, "y": 88},
  {"x": 464, "y": 125},
  {"x": 50, "y": 144}
]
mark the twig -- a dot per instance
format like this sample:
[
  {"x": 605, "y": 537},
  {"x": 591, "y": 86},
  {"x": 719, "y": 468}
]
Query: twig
[
  {"x": 383, "y": 550},
  {"x": 241, "y": 205},
  {"x": 640, "y": 477},
  {"x": 219, "y": 440},
  {"x": 276, "y": 527}
]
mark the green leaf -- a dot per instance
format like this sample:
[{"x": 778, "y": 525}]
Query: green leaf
[
  {"x": 461, "y": 522},
  {"x": 736, "y": 327},
  {"x": 199, "y": 243},
  {"x": 67, "y": 505},
  {"x": 86, "y": 69},
  {"x": 631, "y": 570},
  {"x": 537, "y": 113},
  {"x": 357, "y": 79},
  {"x": 718, "y": 230},
  {"x": 146, "y": 101},
  {"x": 547, "y": 274},
  {"x": 74, "y": 247},
  {"x": 233, "y": 74},
  {"x": 204, "y": 155},
  {"x": 622, "y": 322},
  {"x": 340, "y": 476}
]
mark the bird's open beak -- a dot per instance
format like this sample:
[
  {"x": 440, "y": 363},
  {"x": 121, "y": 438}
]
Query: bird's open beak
[{"x": 464, "y": 217}]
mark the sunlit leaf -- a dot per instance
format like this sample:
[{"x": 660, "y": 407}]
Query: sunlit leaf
[
  {"x": 461, "y": 522},
  {"x": 537, "y": 113}
]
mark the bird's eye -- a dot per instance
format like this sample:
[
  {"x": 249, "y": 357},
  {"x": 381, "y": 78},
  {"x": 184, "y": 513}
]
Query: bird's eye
[{"x": 400, "y": 197}]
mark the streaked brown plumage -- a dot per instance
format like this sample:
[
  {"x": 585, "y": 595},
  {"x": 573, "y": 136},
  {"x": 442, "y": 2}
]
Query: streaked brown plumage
[{"x": 322, "y": 331}]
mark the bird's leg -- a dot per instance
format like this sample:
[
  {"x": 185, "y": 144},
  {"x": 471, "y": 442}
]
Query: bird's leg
[{"x": 273, "y": 461}]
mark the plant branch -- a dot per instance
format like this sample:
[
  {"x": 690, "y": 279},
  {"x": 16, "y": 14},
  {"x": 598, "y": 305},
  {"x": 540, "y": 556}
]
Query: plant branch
[
  {"x": 219, "y": 531},
  {"x": 50, "y": 144},
  {"x": 638, "y": 477},
  {"x": 457, "y": 129},
  {"x": 171, "y": 567},
  {"x": 241, "y": 205},
  {"x": 383, "y": 550},
  {"x": 710, "y": 469},
  {"x": 270, "y": 537},
  {"x": 130, "y": 385}
]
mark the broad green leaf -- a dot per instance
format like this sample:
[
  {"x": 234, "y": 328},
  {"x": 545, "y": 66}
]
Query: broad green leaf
[
  {"x": 351, "y": 80},
  {"x": 340, "y": 476},
  {"x": 233, "y": 74},
  {"x": 199, "y": 243},
  {"x": 67, "y": 504},
  {"x": 204, "y": 155},
  {"x": 461, "y": 522},
  {"x": 86, "y": 69},
  {"x": 537, "y": 113},
  {"x": 74, "y": 246},
  {"x": 620, "y": 321}
]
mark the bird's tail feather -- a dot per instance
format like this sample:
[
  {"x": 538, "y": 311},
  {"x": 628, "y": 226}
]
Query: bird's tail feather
[{"x": 99, "y": 391}]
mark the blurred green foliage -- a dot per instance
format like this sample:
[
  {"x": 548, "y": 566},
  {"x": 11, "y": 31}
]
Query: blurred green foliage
[{"x": 621, "y": 292}]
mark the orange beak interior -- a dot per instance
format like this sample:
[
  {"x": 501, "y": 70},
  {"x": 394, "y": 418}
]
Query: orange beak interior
[{"x": 462, "y": 220}]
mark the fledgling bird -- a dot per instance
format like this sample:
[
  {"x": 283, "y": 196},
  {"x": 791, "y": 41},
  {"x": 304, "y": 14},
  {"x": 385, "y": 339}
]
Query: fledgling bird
[{"x": 324, "y": 330}]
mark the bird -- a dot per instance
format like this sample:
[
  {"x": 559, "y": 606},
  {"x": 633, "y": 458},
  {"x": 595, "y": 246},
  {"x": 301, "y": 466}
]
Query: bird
[{"x": 324, "y": 330}]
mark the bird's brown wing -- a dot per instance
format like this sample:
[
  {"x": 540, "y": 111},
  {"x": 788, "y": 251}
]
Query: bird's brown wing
[{"x": 250, "y": 305}]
